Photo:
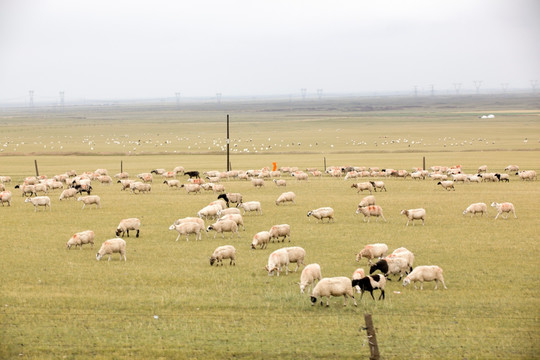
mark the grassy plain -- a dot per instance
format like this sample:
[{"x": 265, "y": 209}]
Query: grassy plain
[{"x": 57, "y": 303}]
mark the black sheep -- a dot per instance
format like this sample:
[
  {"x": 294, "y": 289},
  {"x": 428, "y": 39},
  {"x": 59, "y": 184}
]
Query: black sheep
[
  {"x": 192, "y": 174},
  {"x": 370, "y": 283}
]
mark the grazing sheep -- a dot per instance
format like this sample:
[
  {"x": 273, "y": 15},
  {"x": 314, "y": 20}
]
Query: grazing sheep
[
  {"x": 126, "y": 183},
  {"x": 146, "y": 177},
  {"x": 503, "y": 177},
  {"x": 512, "y": 168},
  {"x": 276, "y": 261},
  {"x": 335, "y": 286},
  {"x": 447, "y": 185},
  {"x": 234, "y": 198},
  {"x": 172, "y": 183},
  {"x": 192, "y": 174},
  {"x": 285, "y": 197},
  {"x": 505, "y": 207},
  {"x": 89, "y": 200},
  {"x": 391, "y": 266},
  {"x": 527, "y": 175},
  {"x": 68, "y": 193},
  {"x": 280, "y": 182},
  {"x": 370, "y": 283},
  {"x": 190, "y": 219},
  {"x": 223, "y": 252},
  {"x": 296, "y": 255},
  {"x": 140, "y": 187},
  {"x": 223, "y": 227},
  {"x": 40, "y": 201},
  {"x": 192, "y": 188},
  {"x": 237, "y": 218},
  {"x": 405, "y": 254},
  {"x": 122, "y": 175},
  {"x": 476, "y": 208},
  {"x": 179, "y": 170},
  {"x": 26, "y": 189},
  {"x": 425, "y": 273},
  {"x": 368, "y": 200},
  {"x": 378, "y": 185},
  {"x": 101, "y": 172},
  {"x": 280, "y": 230},
  {"x": 372, "y": 210},
  {"x": 482, "y": 169},
  {"x": 187, "y": 228},
  {"x": 218, "y": 188},
  {"x": 322, "y": 213},
  {"x": 363, "y": 186},
  {"x": 489, "y": 177},
  {"x": 261, "y": 238},
  {"x": 5, "y": 197},
  {"x": 460, "y": 177},
  {"x": 112, "y": 246},
  {"x": 257, "y": 182},
  {"x": 358, "y": 274},
  {"x": 418, "y": 175},
  {"x": 210, "y": 211},
  {"x": 250, "y": 206},
  {"x": 5, "y": 179},
  {"x": 105, "y": 179},
  {"x": 222, "y": 204},
  {"x": 414, "y": 214},
  {"x": 228, "y": 211},
  {"x": 372, "y": 251},
  {"x": 300, "y": 176},
  {"x": 128, "y": 224},
  {"x": 310, "y": 275},
  {"x": 475, "y": 178},
  {"x": 80, "y": 238}
]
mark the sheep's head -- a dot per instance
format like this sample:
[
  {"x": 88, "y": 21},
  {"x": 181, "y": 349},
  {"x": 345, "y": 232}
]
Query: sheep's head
[
  {"x": 309, "y": 213},
  {"x": 212, "y": 260},
  {"x": 172, "y": 227},
  {"x": 406, "y": 281},
  {"x": 313, "y": 300},
  {"x": 118, "y": 231},
  {"x": 98, "y": 256}
]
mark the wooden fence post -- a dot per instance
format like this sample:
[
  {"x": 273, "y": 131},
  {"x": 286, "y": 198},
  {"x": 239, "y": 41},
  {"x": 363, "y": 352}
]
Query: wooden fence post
[
  {"x": 37, "y": 171},
  {"x": 372, "y": 339}
]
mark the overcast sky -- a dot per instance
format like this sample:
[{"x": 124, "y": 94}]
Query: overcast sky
[{"x": 121, "y": 49}]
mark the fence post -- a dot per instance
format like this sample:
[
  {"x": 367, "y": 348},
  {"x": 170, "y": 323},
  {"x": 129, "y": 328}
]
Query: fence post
[
  {"x": 325, "y": 164},
  {"x": 37, "y": 171},
  {"x": 372, "y": 339},
  {"x": 121, "y": 166},
  {"x": 424, "y": 164}
]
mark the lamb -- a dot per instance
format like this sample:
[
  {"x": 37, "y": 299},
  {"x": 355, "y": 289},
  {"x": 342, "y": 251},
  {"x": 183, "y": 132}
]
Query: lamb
[
  {"x": 280, "y": 230},
  {"x": 391, "y": 266},
  {"x": 112, "y": 246},
  {"x": 261, "y": 238},
  {"x": 280, "y": 182},
  {"x": 224, "y": 226},
  {"x": 505, "y": 207},
  {"x": 40, "y": 201},
  {"x": 310, "y": 275},
  {"x": 223, "y": 252},
  {"x": 140, "y": 187},
  {"x": 187, "y": 228},
  {"x": 322, "y": 213},
  {"x": 234, "y": 198},
  {"x": 372, "y": 210},
  {"x": 363, "y": 186},
  {"x": 476, "y": 208},
  {"x": 285, "y": 197},
  {"x": 209, "y": 211},
  {"x": 5, "y": 197},
  {"x": 335, "y": 286},
  {"x": 237, "y": 218},
  {"x": 276, "y": 261},
  {"x": 257, "y": 182},
  {"x": 370, "y": 283},
  {"x": 414, "y": 214},
  {"x": 172, "y": 183},
  {"x": 80, "y": 238},
  {"x": 368, "y": 200},
  {"x": 372, "y": 251},
  {"x": 250, "y": 206},
  {"x": 447, "y": 185},
  {"x": 425, "y": 273},
  {"x": 89, "y": 200},
  {"x": 296, "y": 255},
  {"x": 378, "y": 185},
  {"x": 128, "y": 224}
]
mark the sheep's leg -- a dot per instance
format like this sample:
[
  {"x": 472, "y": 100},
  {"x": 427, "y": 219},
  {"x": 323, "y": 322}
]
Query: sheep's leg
[
  {"x": 382, "y": 294},
  {"x": 383, "y": 218},
  {"x": 421, "y": 285},
  {"x": 137, "y": 233},
  {"x": 371, "y": 293},
  {"x": 514, "y": 211},
  {"x": 83, "y": 205},
  {"x": 436, "y": 284},
  {"x": 497, "y": 215}
]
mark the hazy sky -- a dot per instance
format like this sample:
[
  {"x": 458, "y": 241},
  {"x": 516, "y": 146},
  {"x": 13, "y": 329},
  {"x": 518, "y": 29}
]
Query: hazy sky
[{"x": 131, "y": 49}]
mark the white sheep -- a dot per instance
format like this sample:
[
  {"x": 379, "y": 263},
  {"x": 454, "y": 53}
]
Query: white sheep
[
  {"x": 372, "y": 210},
  {"x": 322, "y": 213},
  {"x": 276, "y": 261},
  {"x": 221, "y": 203},
  {"x": 257, "y": 183},
  {"x": 512, "y": 168},
  {"x": 187, "y": 228},
  {"x": 414, "y": 214},
  {"x": 482, "y": 169},
  {"x": 300, "y": 176},
  {"x": 190, "y": 219},
  {"x": 310, "y": 275},
  {"x": 218, "y": 188},
  {"x": 172, "y": 183},
  {"x": 192, "y": 188},
  {"x": 378, "y": 185},
  {"x": 80, "y": 238},
  {"x": 425, "y": 273},
  {"x": 223, "y": 227},
  {"x": 112, "y": 246},
  {"x": 358, "y": 274},
  {"x": 391, "y": 265},
  {"x": 363, "y": 186},
  {"x": 368, "y": 200},
  {"x": 476, "y": 208},
  {"x": 335, "y": 286},
  {"x": 140, "y": 187},
  {"x": 286, "y": 197},
  {"x": 89, "y": 200},
  {"x": 209, "y": 211},
  {"x": 527, "y": 175},
  {"x": 505, "y": 207},
  {"x": 40, "y": 201},
  {"x": 447, "y": 185},
  {"x": 372, "y": 251},
  {"x": 228, "y": 211},
  {"x": 460, "y": 178},
  {"x": 403, "y": 253},
  {"x": 128, "y": 224},
  {"x": 296, "y": 255},
  {"x": 237, "y": 218},
  {"x": 262, "y": 238},
  {"x": 250, "y": 206},
  {"x": 126, "y": 183},
  {"x": 280, "y": 230},
  {"x": 223, "y": 252},
  {"x": 5, "y": 197},
  {"x": 280, "y": 182},
  {"x": 105, "y": 179}
]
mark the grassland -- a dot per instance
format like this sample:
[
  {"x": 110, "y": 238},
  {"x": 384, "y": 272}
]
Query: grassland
[{"x": 57, "y": 303}]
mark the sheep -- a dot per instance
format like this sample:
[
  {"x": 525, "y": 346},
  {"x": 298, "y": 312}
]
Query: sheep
[
  {"x": 489, "y": 177},
  {"x": 40, "y": 201},
  {"x": 370, "y": 283},
  {"x": 5, "y": 179},
  {"x": 190, "y": 219},
  {"x": 372, "y": 210},
  {"x": 187, "y": 228},
  {"x": 68, "y": 193},
  {"x": 438, "y": 177},
  {"x": 425, "y": 273},
  {"x": 414, "y": 214},
  {"x": 505, "y": 207},
  {"x": 512, "y": 168},
  {"x": 285, "y": 197},
  {"x": 192, "y": 174},
  {"x": 2, "y": 187},
  {"x": 475, "y": 178},
  {"x": 122, "y": 175},
  {"x": 391, "y": 266},
  {"x": 101, "y": 172},
  {"x": 5, "y": 197},
  {"x": 280, "y": 230},
  {"x": 168, "y": 174},
  {"x": 418, "y": 175},
  {"x": 128, "y": 224},
  {"x": 218, "y": 188},
  {"x": 87, "y": 188},
  {"x": 224, "y": 226},
  {"x": 358, "y": 274},
  {"x": 209, "y": 211},
  {"x": 126, "y": 183},
  {"x": 140, "y": 187},
  {"x": 404, "y": 254},
  {"x": 372, "y": 251},
  {"x": 527, "y": 175},
  {"x": 112, "y": 246},
  {"x": 250, "y": 206},
  {"x": 310, "y": 275},
  {"x": 378, "y": 185},
  {"x": 335, "y": 286},
  {"x": 257, "y": 182},
  {"x": 300, "y": 176},
  {"x": 322, "y": 213},
  {"x": 261, "y": 238},
  {"x": 363, "y": 186},
  {"x": 172, "y": 183},
  {"x": 105, "y": 179},
  {"x": 237, "y": 218},
  {"x": 223, "y": 252},
  {"x": 280, "y": 182},
  {"x": 222, "y": 204},
  {"x": 503, "y": 177},
  {"x": 89, "y": 200},
  {"x": 228, "y": 211},
  {"x": 234, "y": 198},
  {"x": 460, "y": 177},
  {"x": 276, "y": 261},
  {"x": 146, "y": 177},
  {"x": 296, "y": 255},
  {"x": 476, "y": 208},
  {"x": 482, "y": 169},
  {"x": 368, "y": 200},
  {"x": 26, "y": 189},
  {"x": 447, "y": 185},
  {"x": 179, "y": 170},
  {"x": 80, "y": 238}
]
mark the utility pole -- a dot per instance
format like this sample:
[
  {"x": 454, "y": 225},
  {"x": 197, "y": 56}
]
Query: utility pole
[
  {"x": 228, "y": 164},
  {"x": 432, "y": 90},
  {"x": 415, "y": 91},
  {"x": 477, "y": 84}
]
